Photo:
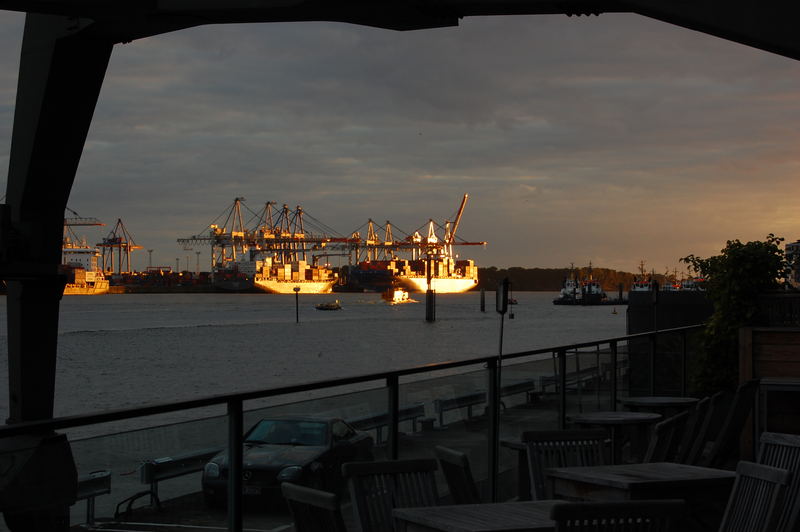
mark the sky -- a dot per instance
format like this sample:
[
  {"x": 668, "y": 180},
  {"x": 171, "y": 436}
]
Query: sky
[{"x": 613, "y": 139}]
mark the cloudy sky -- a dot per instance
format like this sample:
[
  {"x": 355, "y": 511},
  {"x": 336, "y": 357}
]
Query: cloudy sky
[{"x": 609, "y": 139}]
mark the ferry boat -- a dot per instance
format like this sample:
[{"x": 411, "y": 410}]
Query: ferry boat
[{"x": 396, "y": 296}]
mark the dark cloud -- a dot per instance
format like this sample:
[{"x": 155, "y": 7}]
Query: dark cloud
[{"x": 609, "y": 139}]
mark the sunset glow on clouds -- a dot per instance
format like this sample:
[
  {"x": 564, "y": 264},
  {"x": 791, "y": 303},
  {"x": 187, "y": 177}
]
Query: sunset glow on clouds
[{"x": 609, "y": 139}]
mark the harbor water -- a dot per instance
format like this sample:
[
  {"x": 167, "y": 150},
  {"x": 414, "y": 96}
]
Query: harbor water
[{"x": 128, "y": 350}]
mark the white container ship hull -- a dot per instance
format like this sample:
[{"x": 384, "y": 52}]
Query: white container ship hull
[
  {"x": 277, "y": 286},
  {"x": 441, "y": 285}
]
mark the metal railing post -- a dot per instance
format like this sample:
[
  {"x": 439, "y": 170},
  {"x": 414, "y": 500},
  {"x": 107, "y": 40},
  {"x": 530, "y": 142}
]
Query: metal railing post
[
  {"x": 235, "y": 452},
  {"x": 613, "y": 347},
  {"x": 393, "y": 400},
  {"x": 684, "y": 366},
  {"x": 494, "y": 427},
  {"x": 562, "y": 388},
  {"x": 652, "y": 363}
]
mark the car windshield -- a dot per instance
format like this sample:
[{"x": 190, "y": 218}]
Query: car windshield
[{"x": 288, "y": 432}]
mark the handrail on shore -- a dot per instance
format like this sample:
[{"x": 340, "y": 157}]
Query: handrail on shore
[{"x": 42, "y": 426}]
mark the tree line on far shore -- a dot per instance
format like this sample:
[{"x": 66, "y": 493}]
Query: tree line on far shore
[{"x": 552, "y": 279}]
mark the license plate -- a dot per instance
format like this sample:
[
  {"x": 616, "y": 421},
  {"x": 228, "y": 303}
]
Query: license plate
[{"x": 251, "y": 490}]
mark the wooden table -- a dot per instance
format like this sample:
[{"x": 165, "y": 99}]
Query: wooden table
[
  {"x": 705, "y": 490},
  {"x": 496, "y": 517},
  {"x": 616, "y": 420},
  {"x": 663, "y": 405}
]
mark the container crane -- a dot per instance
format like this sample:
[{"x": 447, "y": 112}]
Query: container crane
[{"x": 121, "y": 240}]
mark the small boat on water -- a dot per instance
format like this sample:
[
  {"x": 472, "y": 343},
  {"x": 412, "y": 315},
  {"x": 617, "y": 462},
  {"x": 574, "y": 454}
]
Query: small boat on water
[
  {"x": 330, "y": 305},
  {"x": 395, "y": 296}
]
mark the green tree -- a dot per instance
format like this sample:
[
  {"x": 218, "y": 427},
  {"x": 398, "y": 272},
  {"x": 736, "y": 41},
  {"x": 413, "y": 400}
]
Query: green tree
[{"x": 734, "y": 279}]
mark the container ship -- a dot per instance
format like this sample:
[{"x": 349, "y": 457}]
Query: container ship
[
  {"x": 80, "y": 262},
  {"x": 279, "y": 254},
  {"x": 433, "y": 264},
  {"x": 284, "y": 277},
  {"x": 270, "y": 257}
]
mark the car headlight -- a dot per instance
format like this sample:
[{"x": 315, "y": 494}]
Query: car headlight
[
  {"x": 290, "y": 474},
  {"x": 211, "y": 470}
]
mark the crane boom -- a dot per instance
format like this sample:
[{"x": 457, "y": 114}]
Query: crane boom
[{"x": 458, "y": 218}]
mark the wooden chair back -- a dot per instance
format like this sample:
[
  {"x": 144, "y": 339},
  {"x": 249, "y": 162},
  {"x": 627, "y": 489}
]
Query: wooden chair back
[
  {"x": 628, "y": 516},
  {"x": 725, "y": 449},
  {"x": 313, "y": 510},
  {"x": 697, "y": 416},
  {"x": 376, "y": 488},
  {"x": 458, "y": 475},
  {"x": 783, "y": 451},
  {"x": 561, "y": 448},
  {"x": 718, "y": 406},
  {"x": 756, "y": 498},
  {"x": 665, "y": 438}
]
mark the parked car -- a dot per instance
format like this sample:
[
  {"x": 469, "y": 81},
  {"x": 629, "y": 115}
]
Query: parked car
[{"x": 303, "y": 450}]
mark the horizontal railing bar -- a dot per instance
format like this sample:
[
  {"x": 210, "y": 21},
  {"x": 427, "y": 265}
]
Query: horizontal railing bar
[{"x": 216, "y": 400}]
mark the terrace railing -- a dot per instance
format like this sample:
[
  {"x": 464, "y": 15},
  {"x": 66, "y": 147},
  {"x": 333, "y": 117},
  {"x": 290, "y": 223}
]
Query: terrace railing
[{"x": 475, "y": 403}]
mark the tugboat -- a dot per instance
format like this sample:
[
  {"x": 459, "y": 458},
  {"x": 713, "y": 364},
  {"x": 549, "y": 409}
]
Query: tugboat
[{"x": 585, "y": 292}]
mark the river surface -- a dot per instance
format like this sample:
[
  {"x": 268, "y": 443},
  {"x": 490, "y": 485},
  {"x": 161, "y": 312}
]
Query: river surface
[{"x": 127, "y": 350}]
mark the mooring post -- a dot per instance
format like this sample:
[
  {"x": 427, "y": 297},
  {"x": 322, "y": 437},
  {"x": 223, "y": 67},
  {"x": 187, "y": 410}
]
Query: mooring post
[
  {"x": 430, "y": 295},
  {"x": 297, "y": 304}
]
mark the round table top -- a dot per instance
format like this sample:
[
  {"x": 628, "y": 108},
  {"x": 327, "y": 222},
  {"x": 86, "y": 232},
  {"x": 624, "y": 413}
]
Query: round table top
[
  {"x": 615, "y": 418},
  {"x": 659, "y": 401}
]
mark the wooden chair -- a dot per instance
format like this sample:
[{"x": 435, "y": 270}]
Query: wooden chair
[
  {"x": 697, "y": 416},
  {"x": 725, "y": 449},
  {"x": 716, "y": 413},
  {"x": 756, "y": 499},
  {"x": 783, "y": 451},
  {"x": 628, "y": 516},
  {"x": 313, "y": 510},
  {"x": 561, "y": 448},
  {"x": 664, "y": 439},
  {"x": 458, "y": 475},
  {"x": 376, "y": 488}
]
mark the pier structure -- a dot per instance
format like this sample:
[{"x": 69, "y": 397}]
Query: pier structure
[{"x": 66, "y": 49}]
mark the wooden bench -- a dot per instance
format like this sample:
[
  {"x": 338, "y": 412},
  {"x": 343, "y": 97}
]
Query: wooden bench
[
  {"x": 573, "y": 378},
  {"x": 469, "y": 400},
  {"x": 154, "y": 471},
  {"x": 90, "y": 486},
  {"x": 527, "y": 386},
  {"x": 378, "y": 421},
  {"x": 440, "y": 406}
]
